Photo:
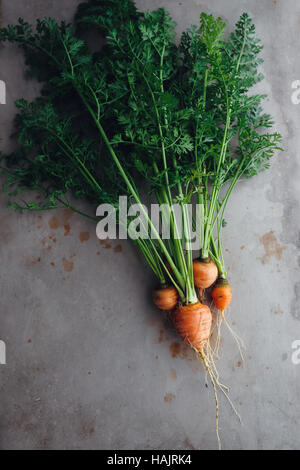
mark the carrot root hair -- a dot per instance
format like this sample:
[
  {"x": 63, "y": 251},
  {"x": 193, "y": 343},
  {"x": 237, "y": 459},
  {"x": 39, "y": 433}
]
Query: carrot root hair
[
  {"x": 207, "y": 357},
  {"x": 239, "y": 342},
  {"x": 223, "y": 388},
  {"x": 221, "y": 318},
  {"x": 213, "y": 382}
]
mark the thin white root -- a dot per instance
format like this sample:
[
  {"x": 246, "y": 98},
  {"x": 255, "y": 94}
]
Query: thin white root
[
  {"x": 236, "y": 337},
  {"x": 218, "y": 337},
  {"x": 224, "y": 389},
  {"x": 210, "y": 374},
  {"x": 207, "y": 357},
  {"x": 232, "y": 406},
  {"x": 210, "y": 356}
]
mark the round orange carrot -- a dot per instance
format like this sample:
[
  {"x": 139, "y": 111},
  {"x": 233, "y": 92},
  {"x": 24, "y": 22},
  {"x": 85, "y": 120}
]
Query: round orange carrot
[
  {"x": 205, "y": 272},
  {"x": 222, "y": 294},
  {"x": 165, "y": 298},
  {"x": 193, "y": 324}
]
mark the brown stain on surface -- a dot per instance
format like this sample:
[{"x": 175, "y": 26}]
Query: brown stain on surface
[
  {"x": 173, "y": 374},
  {"x": 105, "y": 244},
  {"x": 68, "y": 265},
  {"x": 67, "y": 230},
  {"x": 53, "y": 223},
  {"x": 61, "y": 220},
  {"x": 118, "y": 249},
  {"x": 277, "y": 310},
  {"x": 31, "y": 261},
  {"x": 175, "y": 349},
  {"x": 160, "y": 338},
  {"x": 169, "y": 397},
  {"x": 183, "y": 351},
  {"x": 272, "y": 247},
  {"x": 46, "y": 245},
  {"x": 84, "y": 236}
]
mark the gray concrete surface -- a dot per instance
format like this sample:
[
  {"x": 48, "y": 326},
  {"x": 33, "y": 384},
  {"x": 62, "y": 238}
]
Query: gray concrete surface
[{"x": 90, "y": 363}]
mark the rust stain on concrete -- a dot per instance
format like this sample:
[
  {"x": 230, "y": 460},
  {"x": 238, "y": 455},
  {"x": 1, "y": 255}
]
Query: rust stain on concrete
[
  {"x": 169, "y": 397},
  {"x": 61, "y": 220},
  {"x": 277, "y": 310},
  {"x": 53, "y": 223},
  {"x": 67, "y": 229},
  {"x": 271, "y": 246},
  {"x": 68, "y": 265},
  {"x": 175, "y": 349},
  {"x": 84, "y": 236}
]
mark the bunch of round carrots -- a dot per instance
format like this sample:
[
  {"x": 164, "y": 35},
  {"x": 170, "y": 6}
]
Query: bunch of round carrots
[{"x": 193, "y": 321}]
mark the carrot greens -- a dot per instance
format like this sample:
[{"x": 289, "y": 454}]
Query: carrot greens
[{"x": 134, "y": 113}]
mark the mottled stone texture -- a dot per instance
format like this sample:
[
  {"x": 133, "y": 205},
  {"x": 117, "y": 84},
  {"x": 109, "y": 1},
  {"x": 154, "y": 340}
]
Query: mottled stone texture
[{"x": 91, "y": 364}]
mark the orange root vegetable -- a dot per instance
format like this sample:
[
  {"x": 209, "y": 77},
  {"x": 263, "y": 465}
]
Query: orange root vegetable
[
  {"x": 193, "y": 324},
  {"x": 165, "y": 298},
  {"x": 222, "y": 295},
  {"x": 205, "y": 272}
]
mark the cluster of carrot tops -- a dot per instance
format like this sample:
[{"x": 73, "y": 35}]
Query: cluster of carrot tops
[{"x": 125, "y": 109}]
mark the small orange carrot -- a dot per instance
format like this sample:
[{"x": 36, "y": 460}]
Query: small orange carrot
[
  {"x": 193, "y": 323},
  {"x": 165, "y": 298},
  {"x": 222, "y": 294},
  {"x": 205, "y": 272}
]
